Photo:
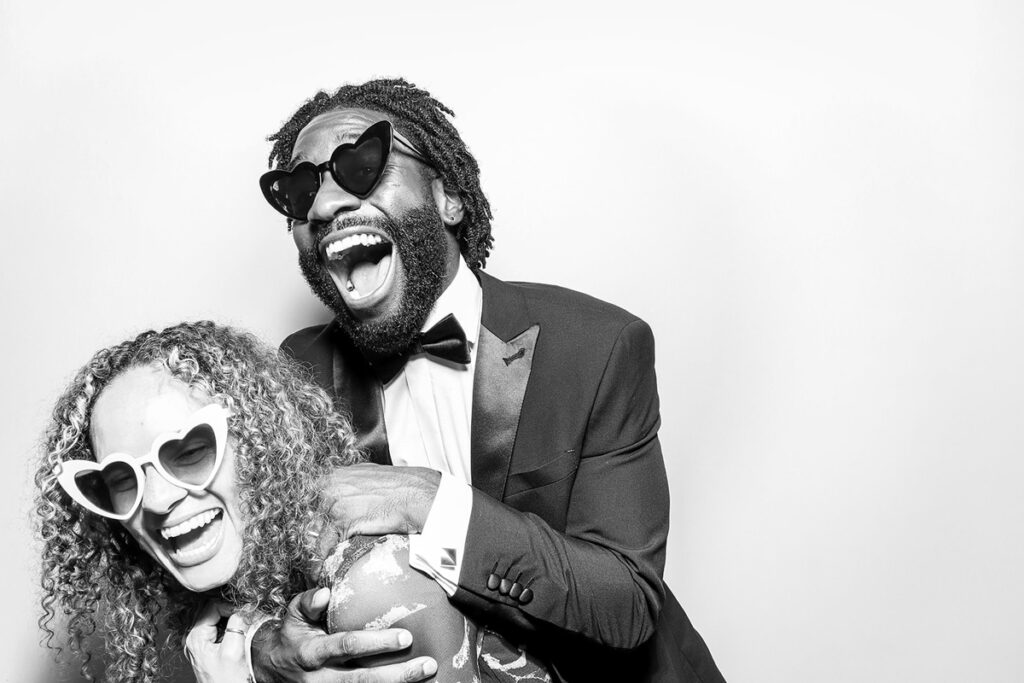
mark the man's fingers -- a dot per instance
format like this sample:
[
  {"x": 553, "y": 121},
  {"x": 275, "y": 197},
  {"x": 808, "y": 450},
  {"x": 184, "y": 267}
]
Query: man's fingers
[
  {"x": 337, "y": 648},
  {"x": 311, "y": 605},
  {"x": 369, "y": 470},
  {"x": 418, "y": 669},
  {"x": 348, "y": 528}
]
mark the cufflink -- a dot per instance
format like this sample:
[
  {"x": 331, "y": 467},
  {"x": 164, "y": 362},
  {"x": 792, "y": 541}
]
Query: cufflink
[{"x": 448, "y": 558}]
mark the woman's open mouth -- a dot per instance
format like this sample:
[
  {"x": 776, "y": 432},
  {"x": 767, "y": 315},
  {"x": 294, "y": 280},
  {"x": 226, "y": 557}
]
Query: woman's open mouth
[{"x": 194, "y": 540}]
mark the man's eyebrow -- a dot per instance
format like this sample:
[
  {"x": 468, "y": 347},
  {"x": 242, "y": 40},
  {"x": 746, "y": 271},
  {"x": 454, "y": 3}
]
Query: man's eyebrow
[{"x": 338, "y": 138}]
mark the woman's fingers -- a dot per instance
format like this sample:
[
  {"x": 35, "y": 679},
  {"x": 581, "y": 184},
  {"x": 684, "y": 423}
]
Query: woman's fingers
[
  {"x": 204, "y": 632},
  {"x": 209, "y": 615},
  {"x": 237, "y": 623},
  {"x": 233, "y": 642},
  {"x": 224, "y": 609},
  {"x": 204, "y": 629},
  {"x": 213, "y": 661}
]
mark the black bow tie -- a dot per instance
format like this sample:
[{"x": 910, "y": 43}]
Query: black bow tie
[{"x": 444, "y": 340}]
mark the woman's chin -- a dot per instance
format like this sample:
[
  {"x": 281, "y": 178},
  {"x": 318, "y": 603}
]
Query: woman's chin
[
  {"x": 209, "y": 575},
  {"x": 200, "y": 586}
]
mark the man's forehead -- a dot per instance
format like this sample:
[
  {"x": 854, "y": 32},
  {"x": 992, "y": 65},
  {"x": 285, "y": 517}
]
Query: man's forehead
[{"x": 330, "y": 129}]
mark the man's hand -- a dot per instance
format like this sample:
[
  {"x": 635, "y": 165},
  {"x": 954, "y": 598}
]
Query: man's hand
[
  {"x": 375, "y": 500},
  {"x": 298, "y": 649}
]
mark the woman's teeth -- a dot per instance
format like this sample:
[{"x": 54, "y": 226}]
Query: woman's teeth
[
  {"x": 202, "y": 546},
  {"x": 202, "y": 519}
]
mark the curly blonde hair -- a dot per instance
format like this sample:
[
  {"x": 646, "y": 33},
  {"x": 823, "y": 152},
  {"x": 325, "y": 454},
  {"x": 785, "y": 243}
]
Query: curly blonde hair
[{"x": 286, "y": 435}]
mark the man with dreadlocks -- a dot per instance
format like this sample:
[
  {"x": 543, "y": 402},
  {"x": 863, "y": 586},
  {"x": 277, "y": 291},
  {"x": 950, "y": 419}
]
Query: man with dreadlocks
[{"x": 519, "y": 420}]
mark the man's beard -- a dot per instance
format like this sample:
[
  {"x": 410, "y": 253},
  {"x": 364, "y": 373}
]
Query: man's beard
[{"x": 418, "y": 237}]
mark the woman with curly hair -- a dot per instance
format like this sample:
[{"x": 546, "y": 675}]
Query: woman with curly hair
[{"x": 181, "y": 477}]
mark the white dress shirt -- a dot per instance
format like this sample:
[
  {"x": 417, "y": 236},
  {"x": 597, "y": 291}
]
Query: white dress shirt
[{"x": 428, "y": 409}]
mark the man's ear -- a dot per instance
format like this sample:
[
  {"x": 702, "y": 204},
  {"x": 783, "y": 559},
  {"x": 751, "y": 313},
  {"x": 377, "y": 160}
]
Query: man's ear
[{"x": 449, "y": 204}]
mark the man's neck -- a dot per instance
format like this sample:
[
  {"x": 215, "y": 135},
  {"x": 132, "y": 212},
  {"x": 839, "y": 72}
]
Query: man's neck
[{"x": 462, "y": 297}]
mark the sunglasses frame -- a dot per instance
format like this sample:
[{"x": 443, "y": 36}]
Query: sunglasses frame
[
  {"x": 214, "y": 416},
  {"x": 376, "y": 130}
]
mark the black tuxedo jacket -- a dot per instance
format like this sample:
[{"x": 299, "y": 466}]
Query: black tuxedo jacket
[{"x": 566, "y": 543}]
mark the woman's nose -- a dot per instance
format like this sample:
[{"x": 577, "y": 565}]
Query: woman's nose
[
  {"x": 331, "y": 200},
  {"x": 159, "y": 496}
]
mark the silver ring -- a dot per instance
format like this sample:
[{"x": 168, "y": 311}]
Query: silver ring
[{"x": 235, "y": 630}]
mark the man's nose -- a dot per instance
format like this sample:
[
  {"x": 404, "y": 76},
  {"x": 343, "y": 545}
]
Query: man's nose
[
  {"x": 159, "y": 496},
  {"x": 331, "y": 200}
]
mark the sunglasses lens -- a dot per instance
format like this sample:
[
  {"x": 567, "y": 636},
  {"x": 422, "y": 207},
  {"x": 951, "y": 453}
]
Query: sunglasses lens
[
  {"x": 292, "y": 193},
  {"x": 114, "y": 489},
  {"x": 191, "y": 459},
  {"x": 357, "y": 168}
]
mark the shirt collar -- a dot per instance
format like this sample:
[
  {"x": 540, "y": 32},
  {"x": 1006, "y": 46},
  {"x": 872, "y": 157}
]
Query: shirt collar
[{"x": 464, "y": 299}]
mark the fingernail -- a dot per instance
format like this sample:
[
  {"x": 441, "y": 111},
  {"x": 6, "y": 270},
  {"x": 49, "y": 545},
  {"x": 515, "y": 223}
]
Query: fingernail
[
  {"x": 405, "y": 639},
  {"x": 430, "y": 667}
]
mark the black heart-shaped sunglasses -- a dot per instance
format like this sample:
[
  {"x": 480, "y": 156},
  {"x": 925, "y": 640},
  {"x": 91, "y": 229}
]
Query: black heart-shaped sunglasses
[{"x": 355, "y": 166}]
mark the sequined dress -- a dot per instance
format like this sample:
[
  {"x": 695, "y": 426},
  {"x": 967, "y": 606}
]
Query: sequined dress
[{"x": 373, "y": 587}]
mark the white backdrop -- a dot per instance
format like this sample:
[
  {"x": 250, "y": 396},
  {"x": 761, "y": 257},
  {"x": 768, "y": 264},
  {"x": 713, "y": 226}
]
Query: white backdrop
[{"x": 817, "y": 207}]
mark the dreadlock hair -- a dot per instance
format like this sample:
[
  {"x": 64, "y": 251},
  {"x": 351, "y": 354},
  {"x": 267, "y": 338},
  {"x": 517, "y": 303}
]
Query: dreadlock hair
[{"x": 422, "y": 119}]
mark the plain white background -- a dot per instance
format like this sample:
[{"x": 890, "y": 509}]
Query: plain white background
[{"x": 817, "y": 207}]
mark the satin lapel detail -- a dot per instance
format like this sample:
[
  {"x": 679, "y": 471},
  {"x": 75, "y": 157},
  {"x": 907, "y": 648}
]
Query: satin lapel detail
[
  {"x": 359, "y": 391},
  {"x": 502, "y": 373}
]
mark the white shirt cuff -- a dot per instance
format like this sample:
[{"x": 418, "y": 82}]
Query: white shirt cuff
[
  {"x": 250, "y": 633},
  {"x": 437, "y": 551}
]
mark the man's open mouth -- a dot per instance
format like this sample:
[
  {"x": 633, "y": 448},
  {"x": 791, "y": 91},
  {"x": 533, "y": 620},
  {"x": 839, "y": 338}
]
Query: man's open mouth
[{"x": 360, "y": 263}]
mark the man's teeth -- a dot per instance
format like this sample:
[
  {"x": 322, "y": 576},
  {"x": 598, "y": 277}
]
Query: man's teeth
[
  {"x": 202, "y": 519},
  {"x": 339, "y": 247}
]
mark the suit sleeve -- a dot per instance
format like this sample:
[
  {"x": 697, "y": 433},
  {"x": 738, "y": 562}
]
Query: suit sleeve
[{"x": 601, "y": 578}]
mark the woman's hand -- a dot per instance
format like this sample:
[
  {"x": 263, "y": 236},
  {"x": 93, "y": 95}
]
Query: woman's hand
[{"x": 214, "y": 662}]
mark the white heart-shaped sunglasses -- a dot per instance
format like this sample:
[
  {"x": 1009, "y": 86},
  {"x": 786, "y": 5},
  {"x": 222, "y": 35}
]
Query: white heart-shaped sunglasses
[{"x": 188, "y": 458}]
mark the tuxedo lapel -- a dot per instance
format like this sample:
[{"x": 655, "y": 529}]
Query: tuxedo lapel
[
  {"x": 504, "y": 359},
  {"x": 358, "y": 391}
]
